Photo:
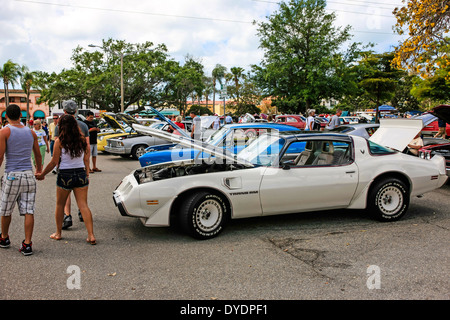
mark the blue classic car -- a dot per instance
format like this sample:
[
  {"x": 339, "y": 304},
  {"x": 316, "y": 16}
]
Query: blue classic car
[{"x": 233, "y": 137}]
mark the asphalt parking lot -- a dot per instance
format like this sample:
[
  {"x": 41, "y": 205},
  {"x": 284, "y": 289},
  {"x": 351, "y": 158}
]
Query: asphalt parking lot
[{"x": 323, "y": 255}]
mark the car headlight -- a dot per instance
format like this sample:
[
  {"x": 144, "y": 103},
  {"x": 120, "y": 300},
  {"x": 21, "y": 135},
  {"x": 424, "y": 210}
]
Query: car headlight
[{"x": 425, "y": 155}]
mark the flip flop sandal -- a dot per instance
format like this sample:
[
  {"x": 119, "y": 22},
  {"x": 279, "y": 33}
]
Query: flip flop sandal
[{"x": 52, "y": 236}]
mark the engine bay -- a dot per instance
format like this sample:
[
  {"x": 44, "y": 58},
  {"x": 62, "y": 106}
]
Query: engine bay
[{"x": 161, "y": 172}]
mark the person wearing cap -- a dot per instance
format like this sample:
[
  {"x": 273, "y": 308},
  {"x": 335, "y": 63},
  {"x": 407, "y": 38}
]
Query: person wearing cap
[{"x": 70, "y": 107}]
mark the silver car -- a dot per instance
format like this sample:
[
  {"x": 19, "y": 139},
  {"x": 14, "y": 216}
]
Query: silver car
[
  {"x": 365, "y": 130},
  {"x": 135, "y": 144}
]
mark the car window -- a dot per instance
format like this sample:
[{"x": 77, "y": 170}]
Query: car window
[
  {"x": 291, "y": 119},
  {"x": 371, "y": 130},
  {"x": 317, "y": 153},
  {"x": 376, "y": 149},
  {"x": 263, "y": 151}
]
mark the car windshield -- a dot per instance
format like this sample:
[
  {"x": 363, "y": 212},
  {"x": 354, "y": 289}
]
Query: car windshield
[
  {"x": 263, "y": 151},
  {"x": 217, "y": 136},
  {"x": 157, "y": 125}
]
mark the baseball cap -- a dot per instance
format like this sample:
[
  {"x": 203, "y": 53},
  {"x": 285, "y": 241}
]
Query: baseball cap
[{"x": 70, "y": 106}]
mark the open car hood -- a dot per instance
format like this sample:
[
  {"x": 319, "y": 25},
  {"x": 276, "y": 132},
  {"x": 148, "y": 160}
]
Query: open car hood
[
  {"x": 218, "y": 152},
  {"x": 207, "y": 121},
  {"x": 170, "y": 122},
  {"x": 112, "y": 121},
  {"x": 397, "y": 133},
  {"x": 129, "y": 120}
]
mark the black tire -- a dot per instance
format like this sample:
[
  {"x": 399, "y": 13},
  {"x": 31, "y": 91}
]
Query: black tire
[
  {"x": 388, "y": 200},
  {"x": 203, "y": 215},
  {"x": 138, "y": 151}
]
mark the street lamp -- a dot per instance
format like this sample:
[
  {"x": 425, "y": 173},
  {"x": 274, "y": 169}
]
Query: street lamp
[{"x": 121, "y": 76}]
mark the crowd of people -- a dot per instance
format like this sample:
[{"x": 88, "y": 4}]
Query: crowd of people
[{"x": 72, "y": 144}]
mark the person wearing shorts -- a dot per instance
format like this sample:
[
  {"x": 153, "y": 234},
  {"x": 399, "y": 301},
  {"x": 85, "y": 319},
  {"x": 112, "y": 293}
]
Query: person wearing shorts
[
  {"x": 18, "y": 185},
  {"x": 70, "y": 107},
  {"x": 93, "y": 130},
  {"x": 71, "y": 151}
]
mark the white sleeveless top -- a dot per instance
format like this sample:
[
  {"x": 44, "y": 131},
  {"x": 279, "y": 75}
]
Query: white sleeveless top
[{"x": 67, "y": 162}]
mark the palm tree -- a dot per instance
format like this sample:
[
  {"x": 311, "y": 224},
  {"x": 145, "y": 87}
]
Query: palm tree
[
  {"x": 9, "y": 73},
  {"x": 237, "y": 73},
  {"x": 218, "y": 73},
  {"x": 26, "y": 80},
  {"x": 208, "y": 87}
]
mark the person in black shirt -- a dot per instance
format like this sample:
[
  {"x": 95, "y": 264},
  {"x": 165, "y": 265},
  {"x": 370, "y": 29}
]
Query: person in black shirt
[{"x": 93, "y": 130}]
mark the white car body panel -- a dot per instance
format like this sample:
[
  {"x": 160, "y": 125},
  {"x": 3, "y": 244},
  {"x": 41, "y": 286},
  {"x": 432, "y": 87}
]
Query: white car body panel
[{"x": 304, "y": 187}]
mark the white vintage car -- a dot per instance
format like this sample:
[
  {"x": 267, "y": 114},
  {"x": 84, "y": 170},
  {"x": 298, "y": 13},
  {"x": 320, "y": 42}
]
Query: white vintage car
[{"x": 282, "y": 173}]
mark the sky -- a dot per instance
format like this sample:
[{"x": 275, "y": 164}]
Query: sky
[{"x": 42, "y": 34}]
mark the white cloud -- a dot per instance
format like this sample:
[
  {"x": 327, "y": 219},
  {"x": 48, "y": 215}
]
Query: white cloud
[{"x": 42, "y": 34}]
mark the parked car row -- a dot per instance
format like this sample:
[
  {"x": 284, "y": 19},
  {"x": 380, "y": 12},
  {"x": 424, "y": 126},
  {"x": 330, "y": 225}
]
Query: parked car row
[{"x": 277, "y": 170}]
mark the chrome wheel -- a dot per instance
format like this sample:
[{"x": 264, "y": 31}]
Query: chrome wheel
[
  {"x": 208, "y": 215},
  {"x": 203, "y": 215},
  {"x": 390, "y": 200},
  {"x": 138, "y": 151}
]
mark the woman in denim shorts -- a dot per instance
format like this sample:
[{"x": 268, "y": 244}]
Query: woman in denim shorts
[{"x": 71, "y": 154}]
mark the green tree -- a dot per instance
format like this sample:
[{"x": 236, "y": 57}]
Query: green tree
[
  {"x": 218, "y": 73},
  {"x": 96, "y": 75},
  {"x": 301, "y": 47},
  {"x": 435, "y": 88},
  {"x": 379, "y": 78},
  {"x": 26, "y": 81},
  {"x": 237, "y": 73},
  {"x": 208, "y": 90},
  {"x": 9, "y": 74},
  {"x": 200, "y": 110},
  {"x": 403, "y": 99}
]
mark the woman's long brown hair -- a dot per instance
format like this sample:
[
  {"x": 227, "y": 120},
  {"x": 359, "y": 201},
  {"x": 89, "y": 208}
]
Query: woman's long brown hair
[{"x": 70, "y": 136}]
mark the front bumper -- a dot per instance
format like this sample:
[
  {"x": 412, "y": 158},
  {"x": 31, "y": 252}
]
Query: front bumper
[
  {"x": 117, "y": 150},
  {"x": 119, "y": 204}
]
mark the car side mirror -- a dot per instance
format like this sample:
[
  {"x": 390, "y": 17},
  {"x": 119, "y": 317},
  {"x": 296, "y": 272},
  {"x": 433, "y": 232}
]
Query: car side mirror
[{"x": 286, "y": 165}]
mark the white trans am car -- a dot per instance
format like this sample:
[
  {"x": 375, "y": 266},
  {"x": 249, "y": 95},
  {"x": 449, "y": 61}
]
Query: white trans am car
[{"x": 282, "y": 173}]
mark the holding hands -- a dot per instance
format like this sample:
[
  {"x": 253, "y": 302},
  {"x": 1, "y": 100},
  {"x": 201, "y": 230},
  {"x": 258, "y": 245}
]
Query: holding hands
[{"x": 39, "y": 175}]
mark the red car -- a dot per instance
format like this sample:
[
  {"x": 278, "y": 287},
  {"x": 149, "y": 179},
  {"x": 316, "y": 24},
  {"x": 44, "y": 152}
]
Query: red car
[
  {"x": 292, "y": 120},
  {"x": 442, "y": 149},
  {"x": 442, "y": 111}
]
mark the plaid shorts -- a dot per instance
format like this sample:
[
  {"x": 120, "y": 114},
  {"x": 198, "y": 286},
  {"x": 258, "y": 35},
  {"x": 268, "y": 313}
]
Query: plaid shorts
[{"x": 20, "y": 187}]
